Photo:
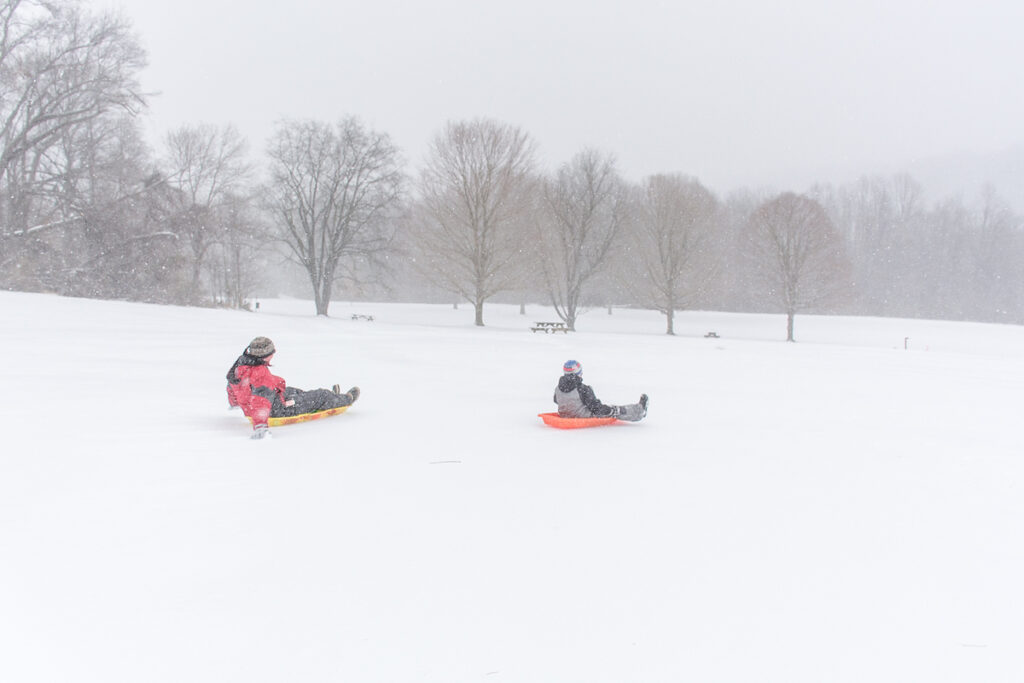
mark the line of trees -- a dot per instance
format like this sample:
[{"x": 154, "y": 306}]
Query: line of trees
[{"x": 87, "y": 208}]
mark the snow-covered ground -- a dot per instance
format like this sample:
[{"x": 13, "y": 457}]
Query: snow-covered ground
[{"x": 846, "y": 508}]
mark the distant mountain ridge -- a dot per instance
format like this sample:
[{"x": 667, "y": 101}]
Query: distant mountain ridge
[
  {"x": 961, "y": 175},
  {"x": 965, "y": 175}
]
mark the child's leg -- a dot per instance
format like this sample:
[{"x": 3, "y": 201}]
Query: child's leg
[
  {"x": 259, "y": 409},
  {"x": 631, "y": 413},
  {"x": 308, "y": 402}
]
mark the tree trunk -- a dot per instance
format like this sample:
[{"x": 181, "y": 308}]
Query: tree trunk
[
  {"x": 479, "y": 322},
  {"x": 197, "y": 276},
  {"x": 323, "y": 297},
  {"x": 670, "y": 317},
  {"x": 789, "y": 326},
  {"x": 570, "y": 315}
]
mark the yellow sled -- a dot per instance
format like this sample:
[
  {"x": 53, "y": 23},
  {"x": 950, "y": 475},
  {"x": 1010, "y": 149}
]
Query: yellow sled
[{"x": 304, "y": 417}]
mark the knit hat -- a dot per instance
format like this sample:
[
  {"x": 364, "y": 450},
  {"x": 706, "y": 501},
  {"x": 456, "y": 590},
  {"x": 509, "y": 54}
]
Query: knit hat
[
  {"x": 572, "y": 367},
  {"x": 260, "y": 347}
]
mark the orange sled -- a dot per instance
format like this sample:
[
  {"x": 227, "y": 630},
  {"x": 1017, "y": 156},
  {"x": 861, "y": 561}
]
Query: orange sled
[
  {"x": 556, "y": 420},
  {"x": 305, "y": 417}
]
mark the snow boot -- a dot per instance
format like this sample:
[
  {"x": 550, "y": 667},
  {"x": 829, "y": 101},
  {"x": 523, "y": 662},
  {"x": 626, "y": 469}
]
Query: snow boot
[
  {"x": 260, "y": 432},
  {"x": 352, "y": 394},
  {"x": 643, "y": 404}
]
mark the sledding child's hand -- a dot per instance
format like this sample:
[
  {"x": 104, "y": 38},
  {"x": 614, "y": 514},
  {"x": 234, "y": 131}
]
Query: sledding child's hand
[{"x": 289, "y": 403}]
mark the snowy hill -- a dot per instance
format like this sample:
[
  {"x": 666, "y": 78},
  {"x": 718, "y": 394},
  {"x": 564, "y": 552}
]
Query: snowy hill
[{"x": 846, "y": 508}]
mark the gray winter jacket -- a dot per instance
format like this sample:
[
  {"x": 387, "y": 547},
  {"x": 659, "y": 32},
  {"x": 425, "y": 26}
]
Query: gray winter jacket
[{"x": 576, "y": 399}]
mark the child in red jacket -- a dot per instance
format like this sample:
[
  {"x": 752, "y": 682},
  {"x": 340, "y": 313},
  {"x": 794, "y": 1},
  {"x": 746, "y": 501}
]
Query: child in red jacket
[{"x": 262, "y": 395}]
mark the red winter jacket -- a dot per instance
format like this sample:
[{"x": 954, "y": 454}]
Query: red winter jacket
[{"x": 252, "y": 387}]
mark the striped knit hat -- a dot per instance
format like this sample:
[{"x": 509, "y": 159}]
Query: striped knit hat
[
  {"x": 572, "y": 367},
  {"x": 260, "y": 347}
]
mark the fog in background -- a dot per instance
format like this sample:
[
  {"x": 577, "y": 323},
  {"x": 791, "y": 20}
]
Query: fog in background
[
  {"x": 864, "y": 159},
  {"x": 736, "y": 93}
]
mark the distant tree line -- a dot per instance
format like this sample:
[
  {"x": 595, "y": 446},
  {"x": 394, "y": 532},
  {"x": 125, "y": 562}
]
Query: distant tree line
[{"x": 87, "y": 208}]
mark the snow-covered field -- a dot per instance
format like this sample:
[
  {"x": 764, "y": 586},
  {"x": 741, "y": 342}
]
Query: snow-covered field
[{"x": 839, "y": 509}]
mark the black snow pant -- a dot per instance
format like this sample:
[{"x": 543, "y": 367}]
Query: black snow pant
[
  {"x": 312, "y": 401},
  {"x": 634, "y": 412}
]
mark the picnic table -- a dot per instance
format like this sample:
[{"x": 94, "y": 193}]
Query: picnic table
[{"x": 548, "y": 327}]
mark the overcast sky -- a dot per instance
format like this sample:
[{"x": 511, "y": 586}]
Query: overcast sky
[{"x": 734, "y": 92}]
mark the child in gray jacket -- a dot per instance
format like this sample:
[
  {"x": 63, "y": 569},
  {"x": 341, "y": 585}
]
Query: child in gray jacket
[{"x": 576, "y": 399}]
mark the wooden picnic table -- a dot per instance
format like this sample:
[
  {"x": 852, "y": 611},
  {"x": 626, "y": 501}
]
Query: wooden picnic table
[{"x": 551, "y": 327}]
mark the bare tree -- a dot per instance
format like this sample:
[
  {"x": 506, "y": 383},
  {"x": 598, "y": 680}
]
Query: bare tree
[
  {"x": 584, "y": 208},
  {"x": 333, "y": 192},
  {"x": 474, "y": 198},
  {"x": 733, "y": 288},
  {"x": 672, "y": 240},
  {"x": 94, "y": 179},
  {"x": 236, "y": 257},
  {"x": 878, "y": 218},
  {"x": 60, "y": 67},
  {"x": 208, "y": 166},
  {"x": 66, "y": 79},
  {"x": 996, "y": 287},
  {"x": 799, "y": 255}
]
